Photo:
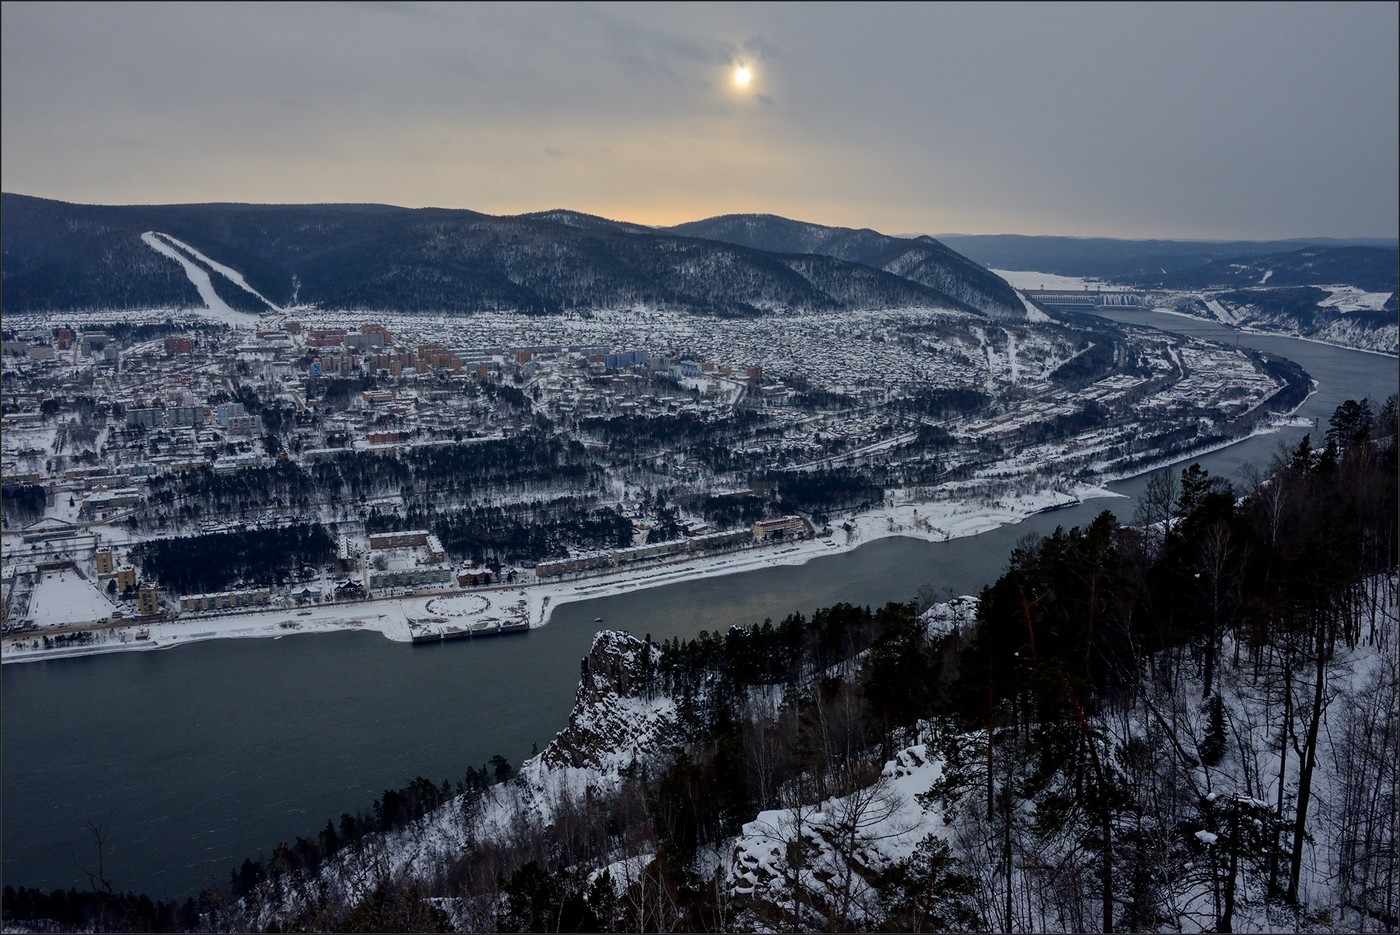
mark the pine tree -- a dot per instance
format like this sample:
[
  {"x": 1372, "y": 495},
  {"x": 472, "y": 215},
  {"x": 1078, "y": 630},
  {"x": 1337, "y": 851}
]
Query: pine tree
[{"x": 1213, "y": 743}]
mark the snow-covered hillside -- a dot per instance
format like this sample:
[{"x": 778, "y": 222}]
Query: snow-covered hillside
[{"x": 1340, "y": 315}]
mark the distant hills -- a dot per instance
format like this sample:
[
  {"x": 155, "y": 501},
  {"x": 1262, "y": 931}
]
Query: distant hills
[
  {"x": 57, "y": 256},
  {"x": 1371, "y": 269},
  {"x": 1160, "y": 262}
]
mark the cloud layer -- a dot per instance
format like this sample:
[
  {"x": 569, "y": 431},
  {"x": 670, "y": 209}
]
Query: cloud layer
[{"x": 1180, "y": 120}]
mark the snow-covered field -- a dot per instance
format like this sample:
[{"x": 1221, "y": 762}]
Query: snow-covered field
[
  {"x": 1352, "y": 299},
  {"x": 395, "y": 617},
  {"x": 64, "y": 596}
]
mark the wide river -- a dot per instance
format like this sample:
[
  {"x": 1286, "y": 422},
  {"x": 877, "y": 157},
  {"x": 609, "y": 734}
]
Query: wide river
[{"x": 192, "y": 759}]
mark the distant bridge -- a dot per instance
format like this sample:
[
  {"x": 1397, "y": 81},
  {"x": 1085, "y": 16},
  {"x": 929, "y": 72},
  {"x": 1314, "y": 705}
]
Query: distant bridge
[{"x": 1081, "y": 300}]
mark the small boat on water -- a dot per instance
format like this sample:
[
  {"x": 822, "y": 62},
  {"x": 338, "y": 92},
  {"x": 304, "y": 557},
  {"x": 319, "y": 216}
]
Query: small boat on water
[
  {"x": 597, "y": 619},
  {"x": 1060, "y": 506}
]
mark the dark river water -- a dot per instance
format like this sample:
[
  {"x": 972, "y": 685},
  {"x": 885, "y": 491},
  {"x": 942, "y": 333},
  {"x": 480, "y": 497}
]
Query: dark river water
[{"x": 192, "y": 759}]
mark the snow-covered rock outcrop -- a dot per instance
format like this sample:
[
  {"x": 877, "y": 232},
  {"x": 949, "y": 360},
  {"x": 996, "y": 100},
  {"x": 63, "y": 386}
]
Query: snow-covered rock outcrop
[
  {"x": 619, "y": 723},
  {"x": 815, "y": 862},
  {"x": 951, "y": 616}
]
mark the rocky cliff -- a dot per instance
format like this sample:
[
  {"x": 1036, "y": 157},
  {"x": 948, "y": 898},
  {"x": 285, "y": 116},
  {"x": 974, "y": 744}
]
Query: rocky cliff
[{"x": 618, "y": 720}]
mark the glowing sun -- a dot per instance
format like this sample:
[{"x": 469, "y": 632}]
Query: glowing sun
[{"x": 743, "y": 76}]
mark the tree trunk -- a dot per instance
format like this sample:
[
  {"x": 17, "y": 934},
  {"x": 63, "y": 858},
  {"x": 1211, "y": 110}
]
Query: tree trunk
[
  {"x": 1006, "y": 853},
  {"x": 1282, "y": 763},
  {"x": 1227, "y": 918},
  {"x": 1307, "y": 759}
]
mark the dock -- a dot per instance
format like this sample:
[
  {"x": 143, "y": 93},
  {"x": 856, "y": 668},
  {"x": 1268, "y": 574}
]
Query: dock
[{"x": 438, "y": 630}]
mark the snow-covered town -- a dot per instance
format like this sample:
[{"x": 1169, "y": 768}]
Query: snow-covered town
[{"x": 506, "y": 456}]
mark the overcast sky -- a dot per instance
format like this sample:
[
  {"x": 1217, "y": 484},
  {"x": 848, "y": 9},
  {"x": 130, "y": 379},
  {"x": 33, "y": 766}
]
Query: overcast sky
[{"x": 1252, "y": 120}]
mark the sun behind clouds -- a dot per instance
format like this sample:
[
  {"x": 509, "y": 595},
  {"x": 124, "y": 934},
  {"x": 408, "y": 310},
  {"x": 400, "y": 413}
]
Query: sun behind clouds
[{"x": 743, "y": 76}]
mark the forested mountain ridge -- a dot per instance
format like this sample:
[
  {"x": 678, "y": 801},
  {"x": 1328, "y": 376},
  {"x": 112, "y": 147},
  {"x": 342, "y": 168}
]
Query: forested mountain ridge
[
  {"x": 1189, "y": 723},
  {"x": 921, "y": 259},
  {"x": 66, "y": 257}
]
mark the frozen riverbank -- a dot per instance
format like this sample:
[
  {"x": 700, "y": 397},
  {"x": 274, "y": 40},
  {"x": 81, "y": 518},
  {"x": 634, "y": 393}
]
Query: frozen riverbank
[{"x": 401, "y": 618}]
